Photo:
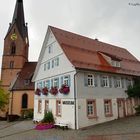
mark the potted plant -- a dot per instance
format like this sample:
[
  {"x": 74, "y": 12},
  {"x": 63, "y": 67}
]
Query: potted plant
[
  {"x": 53, "y": 90},
  {"x": 64, "y": 89},
  {"x": 38, "y": 92},
  {"x": 45, "y": 91}
]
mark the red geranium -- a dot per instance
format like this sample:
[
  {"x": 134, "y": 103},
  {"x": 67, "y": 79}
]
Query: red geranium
[
  {"x": 64, "y": 89},
  {"x": 38, "y": 92},
  {"x": 53, "y": 90},
  {"x": 45, "y": 90}
]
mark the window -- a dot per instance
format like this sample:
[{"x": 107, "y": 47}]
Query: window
[
  {"x": 50, "y": 49},
  {"x": 129, "y": 82},
  {"x": 91, "y": 108},
  {"x": 46, "y": 106},
  {"x": 47, "y": 84},
  {"x": 11, "y": 64},
  {"x": 57, "y": 61},
  {"x": 90, "y": 80},
  {"x": 24, "y": 100},
  {"x": 108, "y": 108},
  {"x": 13, "y": 48},
  {"x": 58, "y": 108},
  {"x": 66, "y": 80},
  {"x": 115, "y": 63},
  {"x": 104, "y": 81},
  {"x": 48, "y": 65},
  {"x": 44, "y": 67},
  {"x": 56, "y": 82},
  {"x": 52, "y": 63},
  {"x": 118, "y": 83},
  {"x": 39, "y": 106}
]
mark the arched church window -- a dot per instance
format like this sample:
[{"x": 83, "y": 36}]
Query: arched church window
[
  {"x": 13, "y": 48},
  {"x": 24, "y": 100}
]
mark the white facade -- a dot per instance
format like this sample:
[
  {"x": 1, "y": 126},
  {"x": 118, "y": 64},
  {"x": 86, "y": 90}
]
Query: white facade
[{"x": 87, "y": 90}]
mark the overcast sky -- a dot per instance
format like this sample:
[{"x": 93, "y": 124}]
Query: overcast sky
[{"x": 112, "y": 21}]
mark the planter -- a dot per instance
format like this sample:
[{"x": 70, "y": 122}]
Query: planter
[
  {"x": 53, "y": 90},
  {"x": 45, "y": 91},
  {"x": 38, "y": 92},
  {"x": 44, "y": 126},
  {"x": 64, "y": 89}
]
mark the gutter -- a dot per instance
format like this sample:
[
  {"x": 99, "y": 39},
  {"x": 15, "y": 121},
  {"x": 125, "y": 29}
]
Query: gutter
[{"x": 75, "y": 100}]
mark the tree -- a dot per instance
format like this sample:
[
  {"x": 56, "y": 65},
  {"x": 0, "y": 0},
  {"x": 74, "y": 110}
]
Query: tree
[
  {"x": 134, "y": 91},
  {"x": 3, "y": 98}
]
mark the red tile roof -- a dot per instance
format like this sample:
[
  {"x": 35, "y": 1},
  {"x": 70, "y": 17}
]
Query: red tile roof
[
  {"x": 25, "y": 74},
  {"x": 84, "y": 53}
]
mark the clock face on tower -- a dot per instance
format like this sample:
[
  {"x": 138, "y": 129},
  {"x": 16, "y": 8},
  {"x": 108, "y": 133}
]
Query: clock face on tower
[{"x": 14, "y": 36}]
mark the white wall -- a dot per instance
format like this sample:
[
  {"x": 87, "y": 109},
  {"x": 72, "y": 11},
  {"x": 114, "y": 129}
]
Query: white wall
[{"x": 84, "y": 121}]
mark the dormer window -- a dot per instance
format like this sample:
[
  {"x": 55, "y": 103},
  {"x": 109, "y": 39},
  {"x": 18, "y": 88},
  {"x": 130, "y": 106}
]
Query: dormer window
[{"x": 115, "y": 63}]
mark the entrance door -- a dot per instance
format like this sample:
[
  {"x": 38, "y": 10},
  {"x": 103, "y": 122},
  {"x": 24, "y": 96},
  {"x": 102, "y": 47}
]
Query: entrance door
[{"x": 121, "y": 108}]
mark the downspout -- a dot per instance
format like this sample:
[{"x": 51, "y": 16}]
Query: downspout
[
  {"x": 75, "y": 99},
  {"x": 11, "y": 112}
]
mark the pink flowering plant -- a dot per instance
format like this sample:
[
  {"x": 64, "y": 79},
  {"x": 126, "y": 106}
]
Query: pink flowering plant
[
  {"x": 38, "y": 92},
  {"x": 53, "y": 90},
  {"x": 45, "y": 91},
  {"x": 64, "y": 89}
]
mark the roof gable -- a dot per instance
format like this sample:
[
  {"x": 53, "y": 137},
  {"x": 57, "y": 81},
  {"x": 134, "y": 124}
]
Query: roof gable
[{"x": 84, "y": 53}]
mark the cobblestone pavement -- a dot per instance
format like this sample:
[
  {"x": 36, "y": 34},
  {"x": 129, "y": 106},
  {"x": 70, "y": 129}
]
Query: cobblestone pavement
[{"x": 123, "y": 129}]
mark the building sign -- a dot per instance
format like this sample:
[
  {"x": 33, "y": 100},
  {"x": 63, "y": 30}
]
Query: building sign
[{"x": 68, "y": 102}]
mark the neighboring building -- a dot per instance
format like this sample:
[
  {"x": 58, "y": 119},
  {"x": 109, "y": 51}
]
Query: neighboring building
[
  {"x": 22, "y": 90},
  {"x": 96, "y": 73},
  {"x": 15, "y": 53}
]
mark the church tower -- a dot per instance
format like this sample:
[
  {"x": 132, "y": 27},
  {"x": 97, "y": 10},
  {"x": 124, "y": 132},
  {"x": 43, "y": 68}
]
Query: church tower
[{"x": 16, "y": 46}]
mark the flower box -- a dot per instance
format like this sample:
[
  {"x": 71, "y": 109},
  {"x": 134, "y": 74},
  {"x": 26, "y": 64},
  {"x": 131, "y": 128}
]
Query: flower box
[{"x": 44, "y": 126}]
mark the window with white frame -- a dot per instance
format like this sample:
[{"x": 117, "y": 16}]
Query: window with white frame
[
  {"x": 56, "y": 61},
  {"x": 118, "y": 83},
  {"x": 91, "y": 108},
  {"x": 52, "y": 63},
  {"x": 46, "y": 105},
  {"x": 129, "y": 82},
  {"x": 39, "y": 106},
  {"x": 47, "y": 84},
  {"x": 90, "y": 80},
  {"x": 50, "y": 49},
  {"x": 66, "y": 80},
  {"x": 44, "y": 67},
  {"x": 56, "y": 82},
  {"x": 108, "y": 108},
  {"x": 48, "y": 65},
  {"x": 104, "y": 81},
  {"x": 115, "y": 63},
  {"x": 58, "y": 108}
]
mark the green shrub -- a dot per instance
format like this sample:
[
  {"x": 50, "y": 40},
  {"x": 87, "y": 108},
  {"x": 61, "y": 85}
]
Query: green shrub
[{"x": 48, "y": 117}]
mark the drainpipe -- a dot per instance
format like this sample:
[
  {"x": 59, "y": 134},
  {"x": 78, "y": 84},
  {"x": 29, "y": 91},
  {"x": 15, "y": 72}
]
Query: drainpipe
[
  {"x": 75, "y": 99},
  {"x": 11, "y": 110}
]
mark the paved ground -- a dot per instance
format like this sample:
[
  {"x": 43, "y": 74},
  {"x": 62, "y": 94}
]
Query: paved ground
[{"x": 124, "y": 129}]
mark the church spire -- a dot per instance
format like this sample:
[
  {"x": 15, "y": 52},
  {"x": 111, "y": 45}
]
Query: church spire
[{"x": 18, "y": 19}]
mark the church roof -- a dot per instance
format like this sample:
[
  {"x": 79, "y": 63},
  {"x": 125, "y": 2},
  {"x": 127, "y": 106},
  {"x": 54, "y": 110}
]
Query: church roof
[
  {"x": 24, "y": 77},
  {"x": 19, "y": 20},
  {"x": 87, "y": 53}
]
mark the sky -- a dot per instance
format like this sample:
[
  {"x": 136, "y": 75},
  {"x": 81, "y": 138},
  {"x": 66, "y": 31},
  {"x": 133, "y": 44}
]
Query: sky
[{"x": 115, "y": 22}]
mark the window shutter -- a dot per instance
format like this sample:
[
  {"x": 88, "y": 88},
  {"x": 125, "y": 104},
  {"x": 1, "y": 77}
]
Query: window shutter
[
  {"x": 95, "y": 80},
  {"x": 69, "y": 81},
  {"x": 85, "y": 79},
  {"x": 110, "y": 81}
]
